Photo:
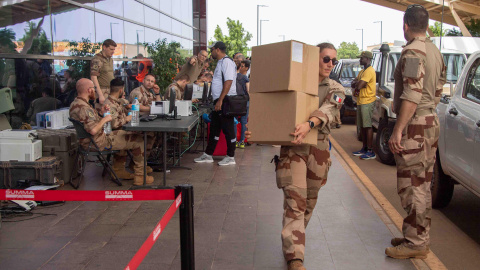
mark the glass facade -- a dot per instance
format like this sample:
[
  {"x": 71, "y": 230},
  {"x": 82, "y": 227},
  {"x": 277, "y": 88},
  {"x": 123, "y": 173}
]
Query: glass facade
[{"x": 40, "y": 39}]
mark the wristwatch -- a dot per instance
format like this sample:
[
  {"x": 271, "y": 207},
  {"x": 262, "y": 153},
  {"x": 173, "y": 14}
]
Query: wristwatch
[{"x": 311, "y": 124}]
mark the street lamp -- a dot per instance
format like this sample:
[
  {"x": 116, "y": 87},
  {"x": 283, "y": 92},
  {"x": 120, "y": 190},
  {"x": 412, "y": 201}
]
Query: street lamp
[
  {"x": 138, "y": 50},
  {"x": 261, "y": 30},
  {"x": 258, "y": 11},
  {"x": 362, "y": 36},
  {"x": 111, "y": 36},
  {"x": 282, "y": 36},
  {"x": 381, "y": 26}
]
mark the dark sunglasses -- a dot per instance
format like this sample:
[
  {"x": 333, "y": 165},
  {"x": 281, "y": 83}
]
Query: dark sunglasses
[{"x": 327, "y": 59}]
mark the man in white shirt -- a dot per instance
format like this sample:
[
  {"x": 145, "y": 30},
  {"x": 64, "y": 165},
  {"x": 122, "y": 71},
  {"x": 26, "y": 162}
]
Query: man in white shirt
[{"x": 223, "y": 84}]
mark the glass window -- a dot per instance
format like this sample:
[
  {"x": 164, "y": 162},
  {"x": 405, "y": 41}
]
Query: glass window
[
  {"x": 152, "y": 17},
  {"x": 472, "y": 87},
  {"x": 134, "y": 39},
  {"x": 454, "y": 63},
  {"x": 166, "y": 6},
  {"x": 184, "y": 9},
  {"x": 176, "y": 9},
  {"x": 151, "y": 35},
  {"x": 110, "y": 6},
  {"x": 165, "y": 23},
  {"x": 176, "y": 27},
  {"x": 168, "y": 37},
  {"x": 64, "y": 30},
  {"x": 392, "y": 63},
  {"x": 133, "y": 10},
  {"x": 153, "y": 3},
  {"x": 107, "y": 27}
]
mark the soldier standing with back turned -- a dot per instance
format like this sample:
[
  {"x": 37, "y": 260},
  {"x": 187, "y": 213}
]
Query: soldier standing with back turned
[{"x": 419, "y": 78}]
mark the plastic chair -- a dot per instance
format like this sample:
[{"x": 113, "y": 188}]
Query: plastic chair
[{"x": 92, "y": 150}]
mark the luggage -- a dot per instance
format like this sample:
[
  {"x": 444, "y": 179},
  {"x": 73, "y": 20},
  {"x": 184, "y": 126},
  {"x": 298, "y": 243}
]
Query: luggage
[
  {"x": 44, "y": 170},
  {"x": 63, "y": 144}
]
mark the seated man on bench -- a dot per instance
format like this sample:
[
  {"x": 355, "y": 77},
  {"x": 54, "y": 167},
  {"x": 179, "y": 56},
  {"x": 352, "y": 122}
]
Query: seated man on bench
[{"x": 82, "y": 111}]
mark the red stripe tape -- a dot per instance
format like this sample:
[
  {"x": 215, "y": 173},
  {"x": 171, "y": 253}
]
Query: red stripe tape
[
  {"x": 152, "y": 238},
  {"x": 88, "y": 195}
]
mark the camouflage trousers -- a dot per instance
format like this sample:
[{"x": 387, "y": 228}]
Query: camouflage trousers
[
  {"x": 124, "y": 140},
  {"x": 414, "y": 174},
  {"x": 301, "y": 172}
]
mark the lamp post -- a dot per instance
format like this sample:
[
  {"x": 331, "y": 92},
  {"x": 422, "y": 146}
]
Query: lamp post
[
  {"x": 138, "y": 50},
  {"x": 381, "y": 26},
  {"x": 111, "y": 35},
  {"x": 258, "y": 11},
  {"x": 362, "y": 36},
  {"x": 261, "y": 30},
  {"x": 282, "y": 36}
]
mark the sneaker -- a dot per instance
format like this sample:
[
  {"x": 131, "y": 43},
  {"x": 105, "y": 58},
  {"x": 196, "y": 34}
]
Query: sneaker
[
  {"x": 227, "y": 161},
  {"x": 404, "y": 252},
  {"x": 362, "y": 152},
  {"x": 237, "y": 144},
  {"x": 241, "y": 145},
  {"x": 368, "y": 155},
  {"x": 204, "y": 159}
]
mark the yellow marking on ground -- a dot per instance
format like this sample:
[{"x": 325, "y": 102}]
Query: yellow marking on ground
[{"x": 432, "y": 260}]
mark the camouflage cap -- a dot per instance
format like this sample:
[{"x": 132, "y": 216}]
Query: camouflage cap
[{"x": 366, "y": 54}]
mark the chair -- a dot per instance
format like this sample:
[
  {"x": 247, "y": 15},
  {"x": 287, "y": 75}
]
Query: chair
[{"x": 92, "y": 150}]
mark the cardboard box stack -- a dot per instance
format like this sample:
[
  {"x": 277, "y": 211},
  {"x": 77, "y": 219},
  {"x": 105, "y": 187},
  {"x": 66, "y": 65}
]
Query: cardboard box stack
[{"x": 283, "y": 91}]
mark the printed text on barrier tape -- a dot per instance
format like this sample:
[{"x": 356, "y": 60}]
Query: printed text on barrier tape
[
  {"x": 152, "y": 238},
  {"x": 87, "y": 195}
]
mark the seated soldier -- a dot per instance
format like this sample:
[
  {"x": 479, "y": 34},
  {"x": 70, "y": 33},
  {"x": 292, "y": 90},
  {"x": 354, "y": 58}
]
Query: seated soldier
[
  {"x": 119, "y": 110},
  {"x": 146, "y": 93},
  {"x": 179, "y": 86},
  {"x": 82, "y": 111}
]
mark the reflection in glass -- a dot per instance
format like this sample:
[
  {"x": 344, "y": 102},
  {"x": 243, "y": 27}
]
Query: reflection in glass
[
  {"x": 133, "y": 10},
  {"x": 176, "y": 9},
  {"x": 166, "y": 6},
  {"x": 184, "y": 10},
  {"x": 134, "y": 39},
  {"x": 151, "y": 35},
  {"x": 110, "y": 6},
  {"x": 165, "y": 23},
  {"x": 153, "y": 3},
  {"x": 152, "y": 17},
  {"x": 168, "y": 37},
  {"x": 107, "y": 27},
  {"x": 176, "y": 27}
]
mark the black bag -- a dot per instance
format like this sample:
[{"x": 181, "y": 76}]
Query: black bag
[{"x": 234, "y": 105}]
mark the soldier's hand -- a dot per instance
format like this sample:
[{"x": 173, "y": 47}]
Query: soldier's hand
[
  {"x": 128, "y": 118},
  {"x": 395, "y": 142},
  {"x": 193, "y": 60},
  {"x": 156, "y": 89},
  {"x": 107, "y": 118},
  {"x": 301, "y": 131},
  {"x": 195, "y": 100},
  {"x": 105, "y": 108},
  {"x": 128, "y": 106}
]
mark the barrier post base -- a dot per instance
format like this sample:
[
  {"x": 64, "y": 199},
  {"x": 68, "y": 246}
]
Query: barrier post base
[{"x": 187, "y": 247}]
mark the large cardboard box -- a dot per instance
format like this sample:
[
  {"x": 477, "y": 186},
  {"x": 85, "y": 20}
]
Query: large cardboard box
[
  {"x": 285, "y": 66},
  {"x": 273, "y": 116}
]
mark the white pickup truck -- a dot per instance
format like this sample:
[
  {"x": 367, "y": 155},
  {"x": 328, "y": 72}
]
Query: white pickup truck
[{"x": 458, "y": 156}]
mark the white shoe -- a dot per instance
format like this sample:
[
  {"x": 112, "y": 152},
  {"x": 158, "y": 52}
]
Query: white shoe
[
  {"x": 204, "y": 159},
  {"x": 227, "y": 161}
]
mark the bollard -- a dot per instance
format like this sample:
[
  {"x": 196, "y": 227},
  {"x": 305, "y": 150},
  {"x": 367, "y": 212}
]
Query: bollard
[{"x": 187, "y": 248}]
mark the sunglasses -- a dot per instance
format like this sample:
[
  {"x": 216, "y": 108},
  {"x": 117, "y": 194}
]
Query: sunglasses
[{"x": 327, "y": 59}]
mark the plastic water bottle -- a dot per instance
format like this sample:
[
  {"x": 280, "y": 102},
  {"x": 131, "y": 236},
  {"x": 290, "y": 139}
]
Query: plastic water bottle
[
  {"x": 107, "y": 128},
  {"x": 135, "y": 112}
]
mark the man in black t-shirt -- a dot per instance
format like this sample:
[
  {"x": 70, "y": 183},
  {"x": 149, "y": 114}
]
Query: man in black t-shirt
[{"x": 243, "y": 85}]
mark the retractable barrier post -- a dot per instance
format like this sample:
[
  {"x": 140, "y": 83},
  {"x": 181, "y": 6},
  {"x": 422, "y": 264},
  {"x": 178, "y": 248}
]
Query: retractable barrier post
[{"x": 187, "y": 248}]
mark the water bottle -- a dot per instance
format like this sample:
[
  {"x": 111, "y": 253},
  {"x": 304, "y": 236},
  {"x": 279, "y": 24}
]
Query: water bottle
[
  {"x": 135, "y": 112},
  {"x": 107, "y": 128}
]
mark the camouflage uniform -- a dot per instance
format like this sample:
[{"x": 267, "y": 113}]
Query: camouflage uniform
[
  {"x": 302, "y": 170},
  {"x": 102, "y": 67},
  {"x": 423, "y": 73},
  {"x": 145, "y": 98},
  {"x": 82, "y": 111},
  {"x": 118, "y": 111},
  {"x": 178, "y": 91}
]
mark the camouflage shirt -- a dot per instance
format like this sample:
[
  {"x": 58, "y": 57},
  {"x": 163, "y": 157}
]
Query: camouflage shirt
[
  {"x": 178, "y": 91},
  {"x": 145, "y": 97},
  {"x": 331, "y": 95},
  {"x": 102, "y": 67},
  {"x": 192, "y": 71},
  {"x": 422, "y": 72},
  {"x": 82, "y": 111},
  {"x": 118, "y": 111}
]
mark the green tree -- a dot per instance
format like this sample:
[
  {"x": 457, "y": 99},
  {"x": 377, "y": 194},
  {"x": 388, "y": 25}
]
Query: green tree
[
  {"x": 453, "y": 33},
  {"x": 166, "y": 60},
  {"x": 40, "y": 43},
  {"x": 237, "y": 38},
  {"x": 436, "y": 29},
  {"x": 7, "y": 36},
  {"x": 84, "y": 48},
  {"x": 348, "y": 50},
  {"x": 474, "y": 27}
]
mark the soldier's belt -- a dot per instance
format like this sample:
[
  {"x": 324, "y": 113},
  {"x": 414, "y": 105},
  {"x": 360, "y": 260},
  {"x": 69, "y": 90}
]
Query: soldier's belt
[{"x": 423, "y": 112}]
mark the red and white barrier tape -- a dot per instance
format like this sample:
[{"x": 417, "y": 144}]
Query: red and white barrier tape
[
  {"x": 152, "y": 238},
  {"x": 87, "y": 195}
]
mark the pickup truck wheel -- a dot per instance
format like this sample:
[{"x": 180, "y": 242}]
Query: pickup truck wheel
[
  {"x": 381, "y": 142},
  {"x": 441, "y": 186}
]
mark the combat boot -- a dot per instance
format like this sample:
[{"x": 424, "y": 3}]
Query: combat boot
[
  {"x": 119, "y": 169},
  {"x": 132, "y": 164},
  {"x": 138, "y": 180},
  {"x": 403, "y": 252},
  {"x": 398, "y": 241},
  {"x": 296, "y": 265}
]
